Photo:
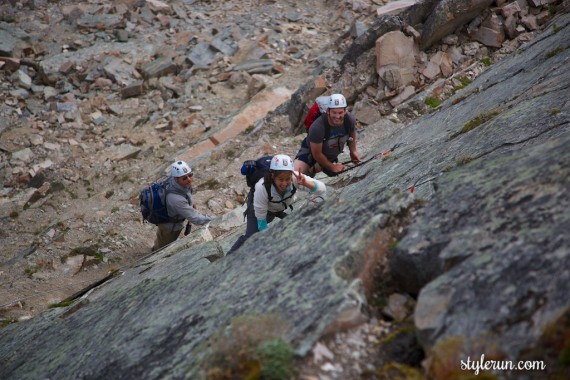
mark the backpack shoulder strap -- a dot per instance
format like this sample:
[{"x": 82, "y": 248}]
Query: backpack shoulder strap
[
  {"x": 347, "y": 122},
  {"x": 327, "y": 129},
  {"x": 268, "y": 189}
]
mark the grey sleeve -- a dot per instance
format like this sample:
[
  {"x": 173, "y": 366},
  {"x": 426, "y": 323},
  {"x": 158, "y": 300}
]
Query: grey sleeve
[{"x": 180, "y": 206}]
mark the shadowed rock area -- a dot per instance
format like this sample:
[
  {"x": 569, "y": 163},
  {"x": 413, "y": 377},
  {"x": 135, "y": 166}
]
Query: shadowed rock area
[{"x": 487, "y": 254}]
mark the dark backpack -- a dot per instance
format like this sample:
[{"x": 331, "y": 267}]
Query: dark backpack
[
  {"x": 153, "y": 202},
  {"x": 254, "y": 170}
]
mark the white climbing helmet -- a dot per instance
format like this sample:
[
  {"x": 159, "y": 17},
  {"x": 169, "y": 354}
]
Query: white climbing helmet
[
  {"x": 337, "y": 101},
  {"x": 179, "y": 168},
  {"x": 281, "y": 162}
]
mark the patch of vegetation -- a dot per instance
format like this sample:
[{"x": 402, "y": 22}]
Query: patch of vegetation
[
  {"x": 276, "y": 356},
  {"x": 60, "y": 304},
  {"x": 551, "y": 9},
  {"x": 14, "y": 214},
  {"x": 251, "y": 348},
  {"x": 230, "y": 153},
  {"x": 556, "y": 28},
  {"x": 115, "y": 209},
  {"x": 56, "y": 186},
  {"x": 125, "y": 178},
  {"x": 464, "y": 160},
  {"x": 464, "y": 82},
  {"x": 6, "y": 322},
  {"x": 393, "y": 244},
  {"x": 29, "y": 271},
  {"x": 91, "y": 250},
  {"x": 480, "y": 119},
  {"x": 72, "y": 194},
  {"x": 432, "y": 102},
  {"x": 554, "y": 111},
  {"x": 393, "y": 370},
  {"x": 444, "y": 362},
  {"x": 393, "y": 335},
  {"x": 486, "y": 61},
  {"x": 210, "y": 183},
  {"x": 109, "y": 194},
  {"x": 249, "y": 129},
  {"x": 554, "y": 347},
  {"x": 554, "y": 52}
]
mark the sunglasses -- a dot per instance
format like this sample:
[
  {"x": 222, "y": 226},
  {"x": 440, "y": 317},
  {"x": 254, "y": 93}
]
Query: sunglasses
[{"x": 185, "y": 177}]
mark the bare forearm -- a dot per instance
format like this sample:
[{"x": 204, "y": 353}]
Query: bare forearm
[{"x": 322, "y": 160}]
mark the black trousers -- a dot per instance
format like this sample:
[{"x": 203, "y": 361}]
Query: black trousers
[{"x": 252, "y": 223}]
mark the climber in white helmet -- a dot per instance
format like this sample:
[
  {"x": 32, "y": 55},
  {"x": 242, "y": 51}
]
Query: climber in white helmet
[
  {"x": 326, "y": 139},
  {"x": 179, "y": 205},
  {"x": 273, "y": 194}
]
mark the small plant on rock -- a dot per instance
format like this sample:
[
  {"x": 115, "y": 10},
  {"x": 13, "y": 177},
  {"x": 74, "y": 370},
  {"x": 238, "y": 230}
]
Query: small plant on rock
[
  {"x": 464, "y": 83},
  {"x": 250, "y": 348},
  {"x": 210, "y": 183},
  {"x": 60, "y": 304},
  {"x": 6, "y": 322},
  {"x": 432, "y": 102},
  {"x": 480, "y": 119},
  {"x": 554, "y": 52}
]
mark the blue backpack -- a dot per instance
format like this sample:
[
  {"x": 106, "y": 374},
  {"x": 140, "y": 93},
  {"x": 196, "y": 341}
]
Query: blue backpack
[
  {"x": 254, "y": 170},
  {"x": 153, "y": 202}
]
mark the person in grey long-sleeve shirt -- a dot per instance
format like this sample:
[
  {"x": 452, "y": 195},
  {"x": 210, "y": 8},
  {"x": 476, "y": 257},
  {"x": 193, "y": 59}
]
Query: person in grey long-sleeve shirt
[{"x": 179, "y": 205}]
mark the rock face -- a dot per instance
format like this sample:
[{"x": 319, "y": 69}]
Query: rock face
[
  {"x": 489, "y": 252},
  {"x": 447, "y": 16},
  {"x": 486, "y": 254}
]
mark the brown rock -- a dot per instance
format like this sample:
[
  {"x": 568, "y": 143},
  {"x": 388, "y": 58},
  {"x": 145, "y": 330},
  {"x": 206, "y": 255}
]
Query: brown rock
[
  {"x": 133, "y": 89},
  {"x": 542, "y": 17},
  {"x": 395, "y": 48},
  {"x": 489, "y": 37},
  {"x": 510, "y": 25},
  {"x": 10, "y": 64},
  {"x": 318, "y": 88},
  {"x": 529, "y": 22},
  {"x": 408, "y": 92},
  {"x": 158, "y": 67},
  {"x": 158, "y": 6},
  {"x": 66, "y": 67},
  {"x": 510, "y": 9}
]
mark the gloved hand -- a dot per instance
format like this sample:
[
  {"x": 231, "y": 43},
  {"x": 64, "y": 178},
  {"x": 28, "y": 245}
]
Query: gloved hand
[{"x": 261, "y": 224}]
